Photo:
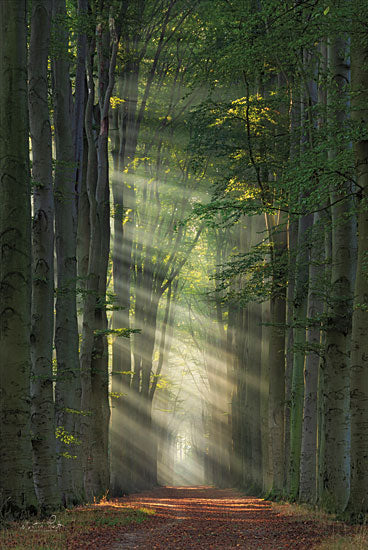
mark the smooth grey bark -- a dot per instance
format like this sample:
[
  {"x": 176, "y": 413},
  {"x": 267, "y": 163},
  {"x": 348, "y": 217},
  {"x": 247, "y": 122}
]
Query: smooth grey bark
[
  {"x": 124, "y": 139},
  {"x": 264, "y": 387},
  {"x": 16, "y": 483},
  {"x": 254, "y": 373},
  {"x": 308, "y": 456},
  {"x": 94, "y": 350},
  {"x": 277, "y": 237},
  {"x": 321, "y": 440},
  {"x": 91, "y": 287},
  {"x": 309, "y": 100},
  {"x": 68, "y": 389},
  {"x": 358, "y": 502},
  {"x": 81, "y": 157},
  {"x": 292, "y": 244},
  {"x": 312, "y": 373},
  {"x": 289, "y": 343},
  {"x": 42, "y": 332},
  {"x": 79, "y": 97},
  {"x": 336, "y": 477},
  {"x": 297, "y": 389}
]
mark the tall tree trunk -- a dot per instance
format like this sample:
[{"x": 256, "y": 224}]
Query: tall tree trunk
[
  {"x": 123, "y": 402},
  {"x": 16, "y": 483},
  {"x": 358, "y": 503},
  {"x": 308, "y": 458},
  {"x": 335, "y": 490},
  {"x": 297, "y": 390},
  {"x": 254, "y": 373},
  {"x": 265, "y": 390},
  {"x": 81, "y": 159},
  {"x": 68, "y": 389},
  {"x": 289, "y": 343},
  {"x": 312, "y": 373},
  {"x": 277, "y": 236},
  {"x": 94, "y": 349},
  {"x": 309, "y": 100},
  {"x": 292, "y": 244},
  {"x": 42, "y": 408}
]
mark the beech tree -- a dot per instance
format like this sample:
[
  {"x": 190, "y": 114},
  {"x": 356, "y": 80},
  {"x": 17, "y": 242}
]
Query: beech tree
[
  {"x": 358, "y": 503},
  {"x": 17, "y": 488},
  {"x": 42, "y": 332},
  {"x": 68, "y": 385}
]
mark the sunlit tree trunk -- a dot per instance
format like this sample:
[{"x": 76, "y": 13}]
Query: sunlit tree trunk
[
  {"x": 161, "y": 430},
  {"x": 232, "y": 358},
  {"x": 67, "y": 390},
  {"x": 123, "y": 402},
  {"x": 42, "y": 407},
  {"x": 238, "y": 403},
  {"x": 16, "y": 483}
]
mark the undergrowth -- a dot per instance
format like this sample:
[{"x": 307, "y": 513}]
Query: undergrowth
[
  {"x": 74, "y": 529},
  {"x": 346, "y": 537}
]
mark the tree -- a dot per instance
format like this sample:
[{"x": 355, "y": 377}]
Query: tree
[
  {"x": 358, "y": 503},
  {"x": 94, "y": 347},
  {"x": 17, "y": 491},
  {"x": 68, "y": 386},
  {"x": 335, "y": 491},
  {"x": 42, "y": 407}
]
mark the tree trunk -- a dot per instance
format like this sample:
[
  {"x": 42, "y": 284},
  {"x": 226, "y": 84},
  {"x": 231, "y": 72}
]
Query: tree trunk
[
  {"x": 265, "y": 390},
  {"x": 277, "y": 236},
  {"x": 335, "y": 490},
  {"x": 256, "y": 226},
  {"x": 68, "y": 389},
  {"x": 16, "y": 481},
  {"x": 289, "y": 343},
  {"x": 312, "y": 373},
  {"x": 308, "y": 458},
  {"x": 297, "y": 389},
  {"x": 358, "y": 503},
  {"x": 42, "y": 408},
  {"x": 94, "y": 349},
  {"x": 123, "y": 405}
]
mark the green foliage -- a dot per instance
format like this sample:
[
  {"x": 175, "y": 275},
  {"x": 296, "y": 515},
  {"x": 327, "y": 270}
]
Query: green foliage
[{"x": 66, "y": 437}]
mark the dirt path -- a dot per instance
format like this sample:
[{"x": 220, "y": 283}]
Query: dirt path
[{"x": 207, "y": 518}]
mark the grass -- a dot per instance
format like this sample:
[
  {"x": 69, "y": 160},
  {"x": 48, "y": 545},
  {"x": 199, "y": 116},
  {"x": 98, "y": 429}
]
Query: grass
[
  {"x": 302, "y": 512},
  {"x": 347, "y": 538},
  {"x": 75, "y": 529},
  {"x": 357, "y": 541}
]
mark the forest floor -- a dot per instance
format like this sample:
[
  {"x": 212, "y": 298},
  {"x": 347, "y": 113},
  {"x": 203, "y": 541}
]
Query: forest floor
[{"x": 185, "y": 518}]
